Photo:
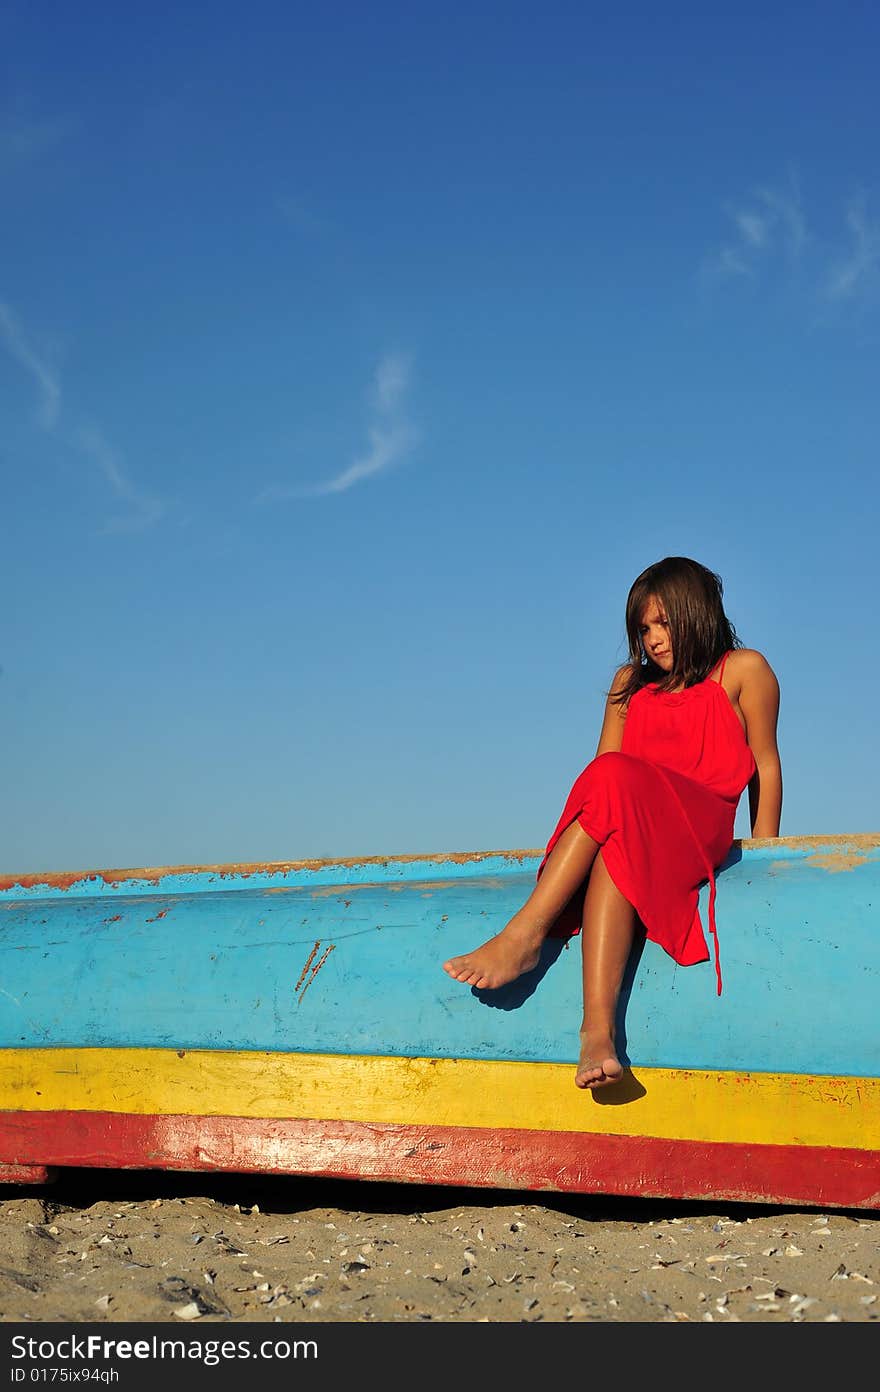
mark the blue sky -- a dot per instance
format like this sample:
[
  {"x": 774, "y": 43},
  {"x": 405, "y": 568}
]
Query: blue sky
[{"x": 354, "y": 359}]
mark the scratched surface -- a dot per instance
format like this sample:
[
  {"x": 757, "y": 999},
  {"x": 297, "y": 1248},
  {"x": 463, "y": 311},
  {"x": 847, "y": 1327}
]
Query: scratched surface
[{"x": 345, "y": 957}]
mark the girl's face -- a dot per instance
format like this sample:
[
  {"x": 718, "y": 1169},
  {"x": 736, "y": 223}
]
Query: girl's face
[{"x": 655, "y": 635}]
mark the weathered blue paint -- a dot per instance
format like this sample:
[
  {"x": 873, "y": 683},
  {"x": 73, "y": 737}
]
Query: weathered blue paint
[
  {"x": 300, "y": 874},
  {"x": 207, "y": 959}
]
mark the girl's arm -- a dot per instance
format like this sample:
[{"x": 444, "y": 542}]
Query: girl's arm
[
  {"x": 759, "y": 703},
  {"x": 611, "y": 737}
]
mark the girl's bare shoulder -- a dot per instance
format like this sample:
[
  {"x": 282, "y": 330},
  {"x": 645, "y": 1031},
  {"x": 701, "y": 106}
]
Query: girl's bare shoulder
[
  {"x": 749, "y": 667},
  {"x": 620, "y": 678},
  {"x": 748, "y": 661}
]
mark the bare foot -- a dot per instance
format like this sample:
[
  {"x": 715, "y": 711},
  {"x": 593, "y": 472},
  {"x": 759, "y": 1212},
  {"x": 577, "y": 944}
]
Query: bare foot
[
  {"x": 598, "y": 1064},
  {"x": 502, "y": 959}
]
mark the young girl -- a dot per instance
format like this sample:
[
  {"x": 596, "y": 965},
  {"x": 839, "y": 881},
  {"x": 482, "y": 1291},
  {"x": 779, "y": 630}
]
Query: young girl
[{"x": 689, "y": 722}]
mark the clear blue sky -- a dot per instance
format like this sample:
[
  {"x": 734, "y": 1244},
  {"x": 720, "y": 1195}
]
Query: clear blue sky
[{"x": 354, "y": 359}]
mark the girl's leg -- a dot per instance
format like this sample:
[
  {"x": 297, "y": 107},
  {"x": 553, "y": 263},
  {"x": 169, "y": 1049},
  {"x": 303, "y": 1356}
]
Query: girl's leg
[
  {"x": 517, "y": 948},
  {"x": 607, "y": 933}
]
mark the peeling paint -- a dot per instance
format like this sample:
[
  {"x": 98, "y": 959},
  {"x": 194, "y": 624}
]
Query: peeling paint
[
  {"x": 311, "y": 957},
  {"x": 847, "y": 844},
  {"x": 863, "y": 840},
  {"x": 329, "y": 891},
  {"x": 427, "y": 888},
  {"x": 834, "y": 863},
  {"x": 316, "y": 968},
  {"x": 65, "y": 879}
]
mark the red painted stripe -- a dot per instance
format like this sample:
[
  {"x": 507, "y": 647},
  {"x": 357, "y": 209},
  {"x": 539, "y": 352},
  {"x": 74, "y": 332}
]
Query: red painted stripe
[
  {"x": 565, "y": 1161},
  {"x": 25, "y": 1174}
]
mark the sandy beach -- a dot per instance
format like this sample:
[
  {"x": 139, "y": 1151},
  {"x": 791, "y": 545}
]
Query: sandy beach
[{"x": 193, "y": 1249}]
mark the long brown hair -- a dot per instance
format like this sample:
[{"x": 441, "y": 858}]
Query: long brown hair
[{"x": 699, "y": 628}]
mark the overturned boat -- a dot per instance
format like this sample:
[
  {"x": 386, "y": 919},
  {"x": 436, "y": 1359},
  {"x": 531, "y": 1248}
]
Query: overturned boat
[{"x": 294, "y": 1018}]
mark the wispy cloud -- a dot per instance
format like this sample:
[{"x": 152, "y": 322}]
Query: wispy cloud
[
  {"x": 785, "y": 216},
  {"x": 143, "y": 510},
  {"x": 16, "y": 342},
  {"x": 752, "y": 228},
  {"x": 390, "y": 435},
  {"x": 391, "y": 382},
  {"x": 769, "y": 229},
  {"x": 857, "y": 269},
  {"x": 387, "y": 445},
  {"x": 769, "y": 222},
  {"x": 730, "y": 262}
]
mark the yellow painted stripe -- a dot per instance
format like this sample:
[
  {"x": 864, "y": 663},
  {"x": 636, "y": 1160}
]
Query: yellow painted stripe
[{"x": 679, "y": 1104}]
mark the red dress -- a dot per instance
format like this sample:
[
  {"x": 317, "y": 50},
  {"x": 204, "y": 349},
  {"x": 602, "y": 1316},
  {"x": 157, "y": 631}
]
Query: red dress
[{"x": 663, "y": 809}]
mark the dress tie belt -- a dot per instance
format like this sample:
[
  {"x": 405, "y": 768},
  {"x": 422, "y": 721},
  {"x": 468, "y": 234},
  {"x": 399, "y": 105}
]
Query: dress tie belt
[{"x": 709, "y": 868}]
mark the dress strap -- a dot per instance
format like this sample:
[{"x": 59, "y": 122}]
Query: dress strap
[{"x": 721, "y": 668}]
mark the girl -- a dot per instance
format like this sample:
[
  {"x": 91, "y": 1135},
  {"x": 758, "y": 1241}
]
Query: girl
[{"x": 689, "y": 722}]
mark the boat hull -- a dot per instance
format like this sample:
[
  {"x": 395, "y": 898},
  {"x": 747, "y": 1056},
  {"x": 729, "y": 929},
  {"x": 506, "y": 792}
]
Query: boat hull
[{"x": 295, "y": 1019}]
